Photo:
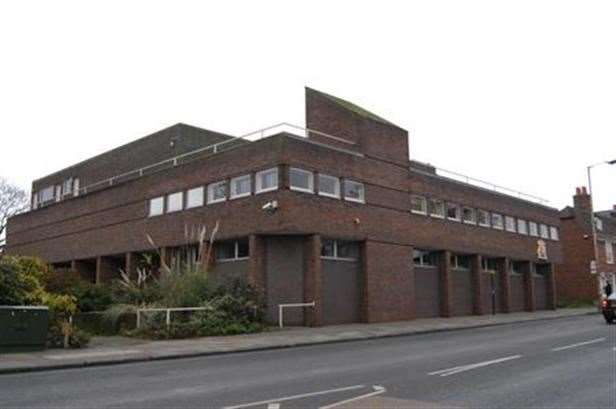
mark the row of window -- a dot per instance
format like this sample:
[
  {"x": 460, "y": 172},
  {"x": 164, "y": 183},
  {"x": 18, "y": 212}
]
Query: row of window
[
  {"x": 426, "y": 258},
  {"x": 440, "y": 209},
  {"x": 55, "y": 193},
  {"x": 265, "y": 181}
]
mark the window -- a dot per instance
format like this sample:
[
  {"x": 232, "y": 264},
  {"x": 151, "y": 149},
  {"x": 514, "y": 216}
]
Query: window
[
  {"x": 460, "y": 262},
  {"x": 46, "y": 195},
  {"x": 67, "y": 187},
  {"x": 301, "y": 180},
  {"x": 554, "y": 233},
  {"x": 156, "y": 206},
  {"x": 542, "y": 269},
  {"x": 516, "y": 267},
  {"x": 483, "y": 218},
  {"x": 497, "y": 221},
  {"x": 532, "y": 229},
  {"x": 543, "y": 229},
  {"x": 419, "y": 205},
  {"x": 354, "y": 191},
  {"x": 34, "y": 200},
  {"x": 232, "y": 250},
  {"x": 329, "y": 186},
  {"x": 241, "y": 186},
  {"x": 76, "y": 187},
  {"x": 217, "y": 192},
  {"x": 510, "y": 224},
  {"x": 488, "y": 264},
  {"x": 266, "y": 180},
  {"x": 58, "y": 193},
  {"x": 424, "y": 258},
  {"x": 437, "y": 208},
  {"x": 453, "y": 212},
  {"x": 175, "y": 202},
  {"x": 468, "y": 215},
  {"x": 599, "y": 224},
  {"x": 609, "y": 252},
  {"x": 522, "y": 226},
  {"x": 340, "y": 250},
  {"x": 194, "y": 197}
]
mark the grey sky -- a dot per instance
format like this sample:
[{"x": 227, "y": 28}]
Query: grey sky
[{"x": 518, "y": 93}]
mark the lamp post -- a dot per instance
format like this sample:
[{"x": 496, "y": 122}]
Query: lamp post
[{"x": 592, "y": 217}]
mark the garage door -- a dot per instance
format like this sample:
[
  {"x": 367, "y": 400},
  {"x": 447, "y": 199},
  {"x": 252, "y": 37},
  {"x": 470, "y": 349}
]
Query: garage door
[
  {"x": 462, "y": 292},
  {"x": 427, "y": 300},
  {"x": 540, "y": 290},
  {"x": 341, "y": 291},
  {"x": 285, "y": 277},
  {"x": 517, "y": 292}
]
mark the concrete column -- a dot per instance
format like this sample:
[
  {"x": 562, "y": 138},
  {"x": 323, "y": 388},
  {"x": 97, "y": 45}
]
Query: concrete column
[
  {"x": 529, "y": 286},
  {"x": 445, "y": 281},
  {"x": 256, "y": 271},
  {"x": 313, "y": 281},
  {"x": 476, "y": 270},
  {"x": 550, "y": 287},
  {"x": 502, "y": 271}
]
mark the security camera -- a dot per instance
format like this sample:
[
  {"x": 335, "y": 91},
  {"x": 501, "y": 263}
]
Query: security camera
[{"x": 270, "y": 207}]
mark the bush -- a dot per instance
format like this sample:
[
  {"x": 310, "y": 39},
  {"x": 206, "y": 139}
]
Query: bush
[
  {"x": 20, "y": 280},
  {"x": 76, "y": 339}
]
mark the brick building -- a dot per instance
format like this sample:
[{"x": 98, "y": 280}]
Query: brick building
[
  {"x": 575, "y": 281},
  {"x": 335, "y": 213}
]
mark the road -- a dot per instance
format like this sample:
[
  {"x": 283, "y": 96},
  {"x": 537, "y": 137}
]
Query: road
[{"x": 563, "y": 363}]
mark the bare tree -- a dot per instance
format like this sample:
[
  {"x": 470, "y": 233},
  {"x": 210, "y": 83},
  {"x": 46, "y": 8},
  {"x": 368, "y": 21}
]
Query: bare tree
[{"x": 13, "y": 200}]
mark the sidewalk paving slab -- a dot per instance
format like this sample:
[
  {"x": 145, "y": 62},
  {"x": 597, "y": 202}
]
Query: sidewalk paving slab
[{"x": 116, "y": 350}]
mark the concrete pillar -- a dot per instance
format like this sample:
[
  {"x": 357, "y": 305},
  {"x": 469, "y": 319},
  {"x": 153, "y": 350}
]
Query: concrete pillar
[
  {"x": 502, "y": 272},
  {"x": 313, "y": 281},
  {"x": 445, "y": 281},
  {"x": 529, "y": 286},
  {"x": 550, "y": 287},
  {"x": 476, "y": 270},
  {"x": 256, "y": 270}
]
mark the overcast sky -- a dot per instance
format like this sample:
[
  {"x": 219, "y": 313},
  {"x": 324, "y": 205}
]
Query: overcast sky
[{"x": 521, "y": 93}]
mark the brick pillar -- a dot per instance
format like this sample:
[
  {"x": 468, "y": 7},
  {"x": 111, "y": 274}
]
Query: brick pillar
[
  {"x": 283, "y": 176},
  {"x": 550, "y": 286},
  {"x": 106, "y": 270},
  {"x": 364, "y": 304},
  {"x": 529, "y": 286},
  {"x": 313, "y": 281},
  {"x": 445, "y": 283},
  {"x": 502, "y": 271},
  {"x": 256, "y": 271},
  {"x": 130, "y": 265},
  {"x": 477, "y": 289}
]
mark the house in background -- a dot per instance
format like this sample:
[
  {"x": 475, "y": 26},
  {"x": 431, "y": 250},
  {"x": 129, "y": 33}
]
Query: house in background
[
  {"x": 575, "y": 281},
  {"x": 334, "y": 213}
]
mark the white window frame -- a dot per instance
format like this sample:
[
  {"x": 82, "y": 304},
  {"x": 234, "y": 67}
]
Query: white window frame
[
  {"x": 455, "y": 264},
  {"x": 496, "y": 216},
  {"x": 337, "y": 193},
  {"x": 488, "y": 218},
  {"x": 609, "y": 252},
  {"x": 533, "y": 229},
  {"x": 259, "y": 181},
  {"x": 485, "y": 265},
  {"x": 236, "y": 257},
  {"x": 151, "y": 202},
  {"x": 200, "y": 191},
  {"x": 544, "y": 231},
  {"x": 76, "y": 187},
  {"x": 58, "y": 192},
  {"x": 335, "y": 248},
  {"x": 513, "y": 227},
  {"x": 67, "y": 183},
  {"x": 362, "y": 198},
  {"x": 524, "y": 230},
  {"x": 422, "y": 258},
  {"x": 310, "y": 188},
  {"x": 210, "y": 192},
  {"x": 512, "y": 270},
  {"x": 442, "y": 206},
  {"x": 473, "y": 213},
  {"x": 424, "y": 206},
  {"x": 458, "y": 216},
  {"x": 169, "y": 197},
  {"x": 232, "y": 186},
  {"x": 554, "y": 233}
]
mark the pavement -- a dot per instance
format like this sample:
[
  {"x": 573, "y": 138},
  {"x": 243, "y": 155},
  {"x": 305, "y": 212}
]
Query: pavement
[
  {"x": 557, "y": 363},
  {"x": 118, "y": 350}
]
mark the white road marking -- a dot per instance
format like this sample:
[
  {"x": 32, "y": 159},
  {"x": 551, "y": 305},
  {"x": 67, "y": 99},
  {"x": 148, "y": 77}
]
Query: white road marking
[
  {"x": 303, "y": 395},
  {"x": 377, "y": 391},
  {"x": 579, "y": 344},
  {"x": 91, "y": 354},
  {"x": 463, "y": 368},
  {"x": 273, "y": 406}
]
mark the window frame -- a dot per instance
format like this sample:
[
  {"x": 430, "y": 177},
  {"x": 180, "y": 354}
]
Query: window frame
[
  {"x": 609, "y": 254},
  {"x": 424, "y": 201},
  {"x": 554, "y": 233},
  {"x": 162, "y": 207},
  {"x": 442, "y": 206},
  {"x": 236, "y": 248},
  {"x": 488, "y": 218},
  {"x": 458, "y": 211},
  {"x": 524, "y": 231},
  {"x": 544, "y": 231},
  {"x": 533, "y": 229},
  {"x": 202, "y": 197},
  {"x": 514, "y": 224},
  {"x": 473, "y": 212},
  {"x": 425, "y": 255},
  {"x": 232, "y": 183},
  {"x": 496, "y": 216},
  {"x": 455, "y": 264},
  {"x": 338, "y": 190},
  {"x": 348, "y": 182},
  {"x": 210, "y": 190},
  {"x": 168, "y": 198},
  {"x": 335, "y": 245},
  {"x": 310, "y": 174},
  {"x": 259, "y": 182},
  {"x": 485, "y": 265}
]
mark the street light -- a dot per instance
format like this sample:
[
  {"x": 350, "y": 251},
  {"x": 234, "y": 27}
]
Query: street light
[{"x": 592, "y": 218}]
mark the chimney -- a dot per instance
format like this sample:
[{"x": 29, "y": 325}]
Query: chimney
[{"x": 581, "y": 202}]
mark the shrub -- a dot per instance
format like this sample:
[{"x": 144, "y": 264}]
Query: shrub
[{"x": 20, "y": 280}]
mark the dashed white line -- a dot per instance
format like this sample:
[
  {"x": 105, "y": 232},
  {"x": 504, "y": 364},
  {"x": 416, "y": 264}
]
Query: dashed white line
[
  {"x": 579, "y": 344},
  {"x": 464, "y": 368}
]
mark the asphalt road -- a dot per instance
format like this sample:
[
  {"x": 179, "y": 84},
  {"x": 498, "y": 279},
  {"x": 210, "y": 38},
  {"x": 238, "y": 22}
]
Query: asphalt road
[{"x": 563, "y": 363}]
